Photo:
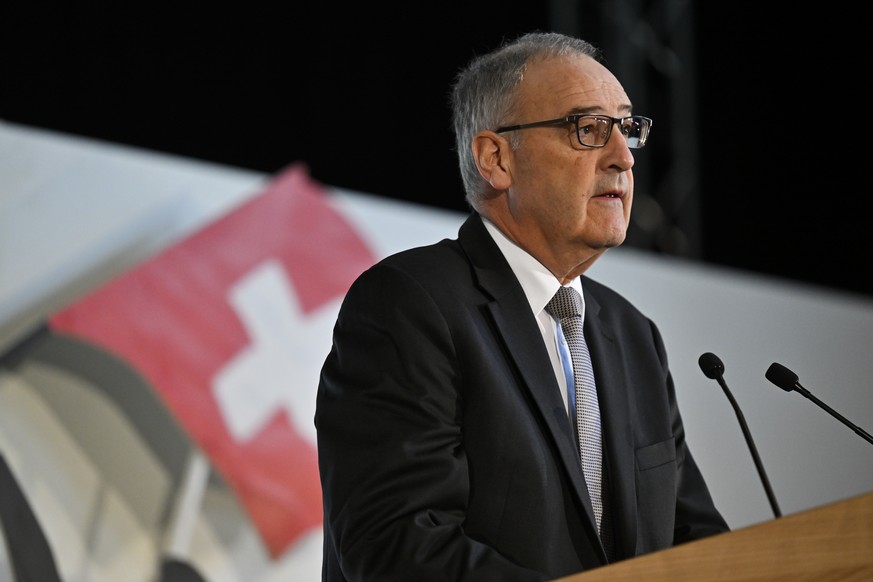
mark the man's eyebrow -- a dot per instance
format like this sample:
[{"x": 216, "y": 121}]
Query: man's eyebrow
[{"x": 626, "y": 109}]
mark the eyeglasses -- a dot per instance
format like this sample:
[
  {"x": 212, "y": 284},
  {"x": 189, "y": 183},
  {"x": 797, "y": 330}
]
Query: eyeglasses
[{"x": 593, "y": 131}]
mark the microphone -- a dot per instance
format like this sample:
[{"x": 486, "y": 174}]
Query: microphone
[
  {"x": 787, "y": 380},
  {"x": 712, "y": 368}
]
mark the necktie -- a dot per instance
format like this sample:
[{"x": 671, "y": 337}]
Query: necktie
[{"x": 566, "y": 306}]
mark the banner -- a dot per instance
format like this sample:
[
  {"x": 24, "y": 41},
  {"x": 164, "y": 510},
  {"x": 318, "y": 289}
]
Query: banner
[{"x": 230, "y": 326}]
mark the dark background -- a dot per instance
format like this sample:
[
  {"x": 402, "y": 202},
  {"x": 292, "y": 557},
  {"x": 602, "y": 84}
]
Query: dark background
[{"x": 757, "y": 158}]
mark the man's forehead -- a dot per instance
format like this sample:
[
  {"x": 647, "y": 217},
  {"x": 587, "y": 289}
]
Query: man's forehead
[{"x": 571, "y": 83}]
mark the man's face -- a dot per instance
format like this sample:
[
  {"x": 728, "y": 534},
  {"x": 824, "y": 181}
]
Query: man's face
[{"x": 568, "y": 203}]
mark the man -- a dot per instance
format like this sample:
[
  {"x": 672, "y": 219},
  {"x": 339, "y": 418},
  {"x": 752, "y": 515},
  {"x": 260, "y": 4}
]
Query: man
[{"x": 447, "y": 435}]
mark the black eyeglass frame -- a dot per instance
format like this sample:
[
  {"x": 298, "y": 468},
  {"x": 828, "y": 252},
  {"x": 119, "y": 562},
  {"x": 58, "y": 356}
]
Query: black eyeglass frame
[{"x": 645, "y": 122}]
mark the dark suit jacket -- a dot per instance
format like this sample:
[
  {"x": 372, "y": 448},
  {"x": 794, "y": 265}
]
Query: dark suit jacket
[{"x": 445, "y": 450}]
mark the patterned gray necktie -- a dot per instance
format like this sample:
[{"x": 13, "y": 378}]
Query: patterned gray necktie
[{"x": 566, "y": 306}]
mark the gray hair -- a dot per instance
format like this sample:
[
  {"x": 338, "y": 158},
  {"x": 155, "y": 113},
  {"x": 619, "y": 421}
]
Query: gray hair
[{"x": 485, "y": 92}]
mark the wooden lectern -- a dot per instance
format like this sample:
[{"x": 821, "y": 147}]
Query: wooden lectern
[{"x": 831, "y": 542}]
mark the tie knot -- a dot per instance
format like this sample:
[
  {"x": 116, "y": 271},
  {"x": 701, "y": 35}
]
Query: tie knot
[{"x": 565, "y": 303}]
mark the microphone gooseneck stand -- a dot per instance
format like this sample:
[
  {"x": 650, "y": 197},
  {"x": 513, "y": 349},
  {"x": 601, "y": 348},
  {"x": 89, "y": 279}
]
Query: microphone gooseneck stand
[
  {"x": 713, "y": 368},
  {"x": 788, "y": 381}
]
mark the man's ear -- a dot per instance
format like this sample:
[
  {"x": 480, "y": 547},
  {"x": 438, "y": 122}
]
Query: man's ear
[{"x": 491, "y": 153}]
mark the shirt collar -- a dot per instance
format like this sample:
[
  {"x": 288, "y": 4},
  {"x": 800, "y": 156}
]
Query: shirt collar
[{"x": 538, "y": 283}]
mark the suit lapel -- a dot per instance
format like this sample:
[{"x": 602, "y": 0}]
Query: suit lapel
[
  {"x": 519, "y": 331},
  {"x": 615, "y": 415}
]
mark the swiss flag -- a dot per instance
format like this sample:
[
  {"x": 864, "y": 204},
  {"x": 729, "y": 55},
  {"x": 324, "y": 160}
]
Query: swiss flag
[{"x": 230, "y": 326}]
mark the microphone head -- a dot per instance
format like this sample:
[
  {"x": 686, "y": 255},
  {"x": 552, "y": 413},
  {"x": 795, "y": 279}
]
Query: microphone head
[
  {"x": 711, "y": 365},
  {"x": 782, "y": 376}
]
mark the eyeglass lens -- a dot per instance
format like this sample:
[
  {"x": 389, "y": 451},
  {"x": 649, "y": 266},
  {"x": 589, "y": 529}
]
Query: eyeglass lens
[{"x": 594, "y": 130}]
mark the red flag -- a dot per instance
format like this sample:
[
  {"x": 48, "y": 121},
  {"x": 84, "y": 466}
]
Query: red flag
[{"x": 230, "y": 326}]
